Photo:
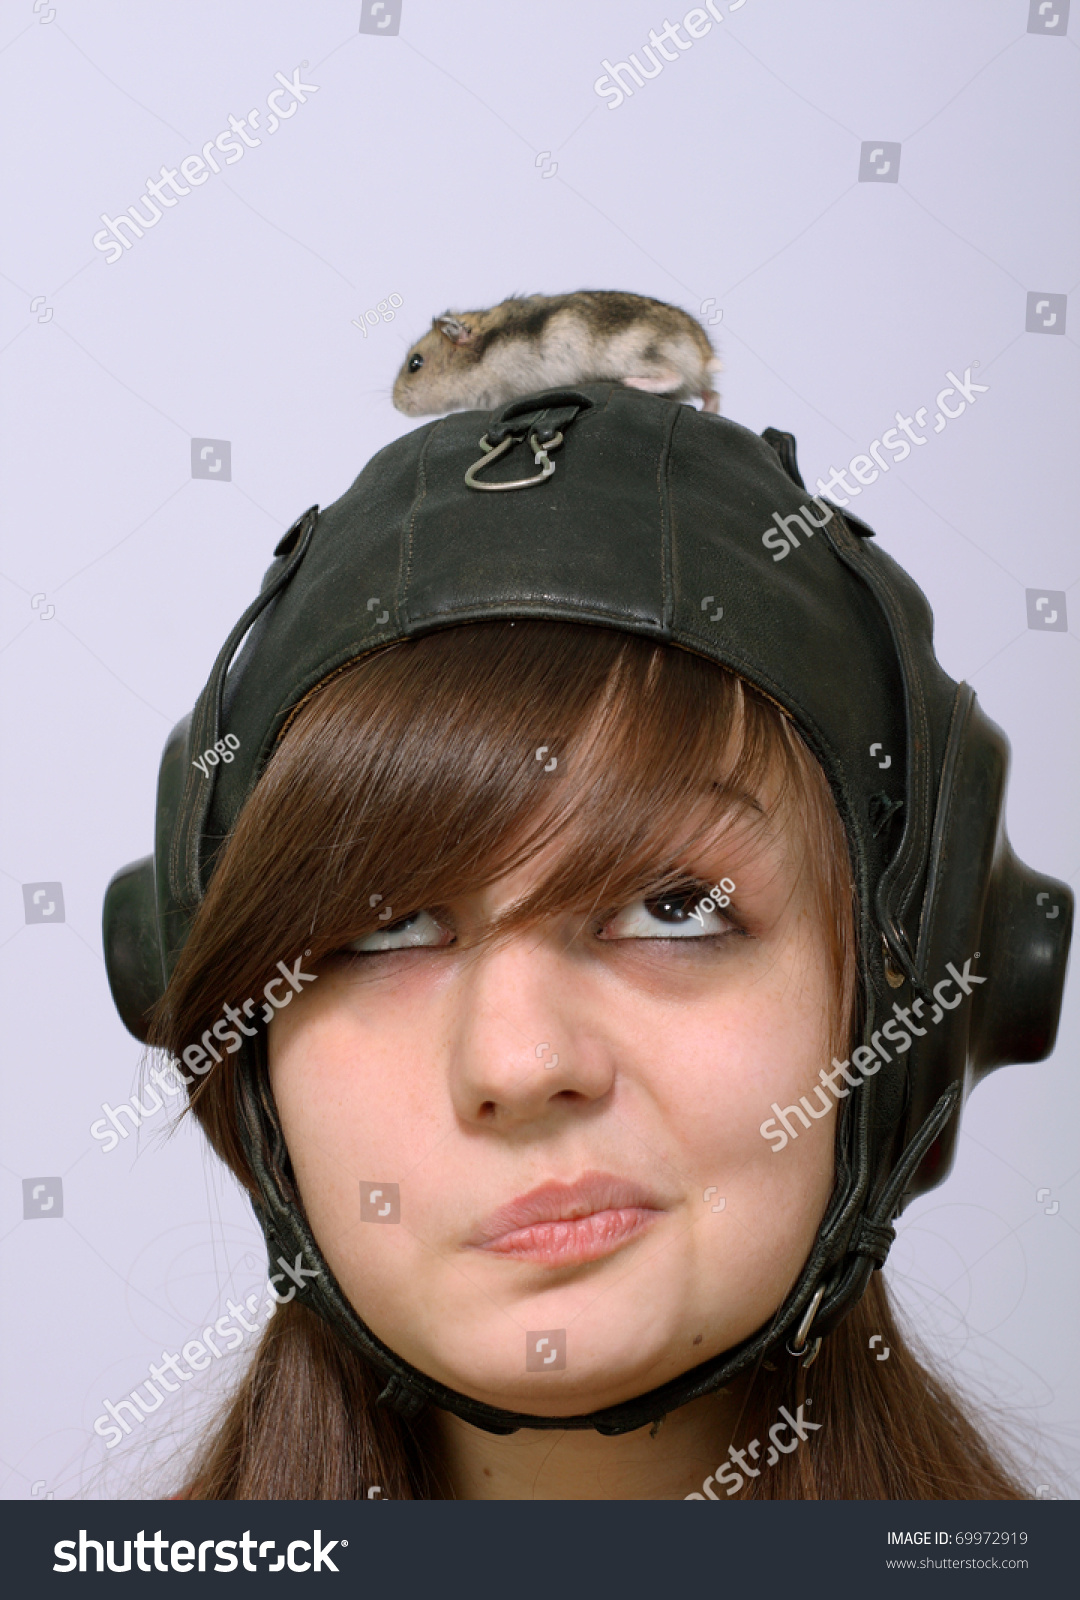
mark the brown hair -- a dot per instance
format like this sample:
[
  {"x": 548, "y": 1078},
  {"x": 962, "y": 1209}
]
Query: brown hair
[{"x": 412, "y": 774}]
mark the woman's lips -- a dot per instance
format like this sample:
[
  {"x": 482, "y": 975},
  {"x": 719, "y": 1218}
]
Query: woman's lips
[
  {"x": 562, "y": 1224},
  {"x": 572, "y": 1241}
]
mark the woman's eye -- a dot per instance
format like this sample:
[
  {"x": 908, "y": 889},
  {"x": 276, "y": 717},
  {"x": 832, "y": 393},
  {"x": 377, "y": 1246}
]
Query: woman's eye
[
  {"x": 419, "y": 928},
  {"x": 676, "y": 914}
]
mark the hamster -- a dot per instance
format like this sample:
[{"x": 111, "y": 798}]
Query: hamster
[{"x": 477, "y": 360}]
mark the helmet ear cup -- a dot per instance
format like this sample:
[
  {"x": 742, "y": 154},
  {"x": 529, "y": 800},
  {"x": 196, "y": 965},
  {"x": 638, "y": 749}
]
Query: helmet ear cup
[
  {"x": 141, "y": 923},
  {"x": 992, "y": 953},
  {"x": 132, "y": 944},
  {"x": 1027, "y": 926}
]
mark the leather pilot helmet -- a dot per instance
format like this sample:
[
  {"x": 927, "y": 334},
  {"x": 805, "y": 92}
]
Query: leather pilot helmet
[{"x": 605, "y": 505}]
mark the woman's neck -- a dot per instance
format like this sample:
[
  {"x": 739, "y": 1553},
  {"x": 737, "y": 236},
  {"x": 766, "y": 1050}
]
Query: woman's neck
[{"x": 580, "y": 1464}]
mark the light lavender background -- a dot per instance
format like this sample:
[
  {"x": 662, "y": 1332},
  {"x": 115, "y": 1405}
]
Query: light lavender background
[{"x": 423, "y": 167}]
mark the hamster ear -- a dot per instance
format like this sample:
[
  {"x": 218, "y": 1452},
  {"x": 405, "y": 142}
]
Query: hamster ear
[{"x": 456, "y": 331}]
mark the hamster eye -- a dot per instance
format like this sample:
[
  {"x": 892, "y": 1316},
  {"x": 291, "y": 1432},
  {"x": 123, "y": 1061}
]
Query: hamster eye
[{"x": 416, "y": 363}]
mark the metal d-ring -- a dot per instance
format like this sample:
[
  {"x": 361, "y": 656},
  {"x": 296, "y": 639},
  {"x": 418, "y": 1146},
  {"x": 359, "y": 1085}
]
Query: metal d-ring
[
  {"x": 492, "y": 452},
  {"x": 799, "y": 1347}
]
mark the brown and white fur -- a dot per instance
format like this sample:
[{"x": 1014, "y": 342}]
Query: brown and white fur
[{"x": 477, "y": 360}]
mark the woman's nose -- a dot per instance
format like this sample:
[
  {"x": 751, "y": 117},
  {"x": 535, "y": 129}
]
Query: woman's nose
[{"x": 521, "y": 1044}]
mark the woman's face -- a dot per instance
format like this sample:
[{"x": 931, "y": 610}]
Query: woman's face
[{"x": 556, "y": 1138}]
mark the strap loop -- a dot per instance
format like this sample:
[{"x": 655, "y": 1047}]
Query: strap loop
[{"x": 555, "y": 408}]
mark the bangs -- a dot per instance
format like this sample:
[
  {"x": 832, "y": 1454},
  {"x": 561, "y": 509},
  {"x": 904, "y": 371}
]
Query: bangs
[
  {"x": 439, "y": 766},
  {"x": 433, "y": 768}
]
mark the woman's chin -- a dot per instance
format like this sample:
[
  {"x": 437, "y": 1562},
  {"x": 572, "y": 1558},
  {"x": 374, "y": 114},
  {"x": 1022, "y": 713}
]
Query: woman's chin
[
  {"x": 555, "y": 1384},
  {"x": 547, "y": 1397}
]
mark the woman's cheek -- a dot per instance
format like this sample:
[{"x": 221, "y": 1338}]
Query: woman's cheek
[
  {"x": 344, "y": 1082},
  {"x": 766, "y": 1050},
  {"x": 364, "y": 1138}
]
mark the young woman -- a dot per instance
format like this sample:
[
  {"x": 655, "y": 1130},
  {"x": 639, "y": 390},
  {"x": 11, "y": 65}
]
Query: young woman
[{"x": 573, "y": 1169}]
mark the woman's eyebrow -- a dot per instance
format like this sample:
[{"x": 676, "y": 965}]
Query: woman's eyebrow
[
  {"x": 745, "y": 818},
  {"x": 742, "y": 796}
]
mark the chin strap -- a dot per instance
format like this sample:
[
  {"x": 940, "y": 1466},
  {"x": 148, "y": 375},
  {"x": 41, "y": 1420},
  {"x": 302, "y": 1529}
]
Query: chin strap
[
  {"x": 873, "y": 1235},
  {"x": 833, "y": 1279}
]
